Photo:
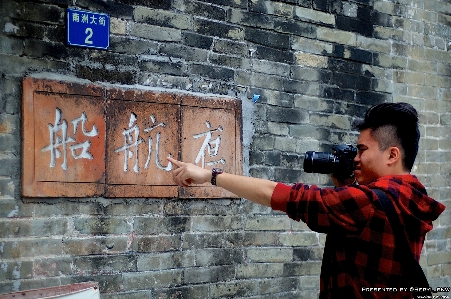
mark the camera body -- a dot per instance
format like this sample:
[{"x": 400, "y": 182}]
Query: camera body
[{"x": 340, "y": 162}]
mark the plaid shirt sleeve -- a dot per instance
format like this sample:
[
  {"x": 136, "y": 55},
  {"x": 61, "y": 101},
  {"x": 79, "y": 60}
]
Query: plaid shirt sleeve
[
  {"x": 361, "y": 251},
  {"x": 345, "y": 208}
]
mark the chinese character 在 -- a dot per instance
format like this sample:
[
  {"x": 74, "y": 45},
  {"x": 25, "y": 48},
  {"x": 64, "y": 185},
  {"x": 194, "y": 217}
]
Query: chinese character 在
[
  {"x": 209, "y": 146},
  {"x": 59, "y": 139},
  {"x": 132, "y": 141}
]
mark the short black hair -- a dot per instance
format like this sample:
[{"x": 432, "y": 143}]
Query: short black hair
[{"x": 394, "y": 124}]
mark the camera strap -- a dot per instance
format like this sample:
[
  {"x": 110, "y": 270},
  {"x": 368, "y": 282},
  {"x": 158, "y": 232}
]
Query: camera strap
[{"x": 412, "y": 270}]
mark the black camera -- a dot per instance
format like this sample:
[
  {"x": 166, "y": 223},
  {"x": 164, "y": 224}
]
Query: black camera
[{"x": 340, "y": 162}]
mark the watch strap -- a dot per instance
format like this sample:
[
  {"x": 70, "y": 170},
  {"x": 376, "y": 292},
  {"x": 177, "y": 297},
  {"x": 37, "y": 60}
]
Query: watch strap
[{"x": 214, "y": 174}]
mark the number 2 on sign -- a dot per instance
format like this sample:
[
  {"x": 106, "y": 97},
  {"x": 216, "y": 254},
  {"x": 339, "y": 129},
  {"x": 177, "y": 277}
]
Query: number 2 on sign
[{"x": 89, "y": 32}]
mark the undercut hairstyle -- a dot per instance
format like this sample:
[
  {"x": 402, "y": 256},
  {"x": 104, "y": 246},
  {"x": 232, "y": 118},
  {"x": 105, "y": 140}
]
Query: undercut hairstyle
[{"x": 394, "y": 124}]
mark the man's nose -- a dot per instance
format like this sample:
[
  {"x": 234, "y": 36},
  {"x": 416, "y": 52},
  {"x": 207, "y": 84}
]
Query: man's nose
[{"x": 357, "y": 158}]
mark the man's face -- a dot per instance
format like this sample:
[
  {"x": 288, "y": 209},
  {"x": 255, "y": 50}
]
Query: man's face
[{"x": 370, "y": 160}]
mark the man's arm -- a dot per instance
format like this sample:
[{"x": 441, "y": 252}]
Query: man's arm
[{"x": 253, "y": 189}]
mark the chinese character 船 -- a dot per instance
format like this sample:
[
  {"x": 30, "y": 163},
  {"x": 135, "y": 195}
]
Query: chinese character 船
[{"x": 59, "y": 139}]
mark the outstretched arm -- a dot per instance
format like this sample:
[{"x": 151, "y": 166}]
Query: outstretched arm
[{"x": 253, "y": 189}]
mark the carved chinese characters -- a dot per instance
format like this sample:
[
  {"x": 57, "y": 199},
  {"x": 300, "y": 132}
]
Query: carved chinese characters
[
  {"x": 68, "y": 139},
  {"x": 140, "y": 137},
  {"x": 86, "y": 140},
  {"x": 205, "y": 140}
]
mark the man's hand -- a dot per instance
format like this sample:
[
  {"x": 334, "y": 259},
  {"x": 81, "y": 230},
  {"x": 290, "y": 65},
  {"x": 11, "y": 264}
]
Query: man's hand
[
  {"x": 341, "y": 182},
  {"x": 253, "y": 189},
  {"x": 186, "y": 173}
]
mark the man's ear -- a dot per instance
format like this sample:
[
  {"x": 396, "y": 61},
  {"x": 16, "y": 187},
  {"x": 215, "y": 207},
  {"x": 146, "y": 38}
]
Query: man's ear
[{"x": 395, "y": 155}]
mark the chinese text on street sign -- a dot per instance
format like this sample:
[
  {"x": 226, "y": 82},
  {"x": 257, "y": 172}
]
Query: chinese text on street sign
[{"x": 88, "y": 29}]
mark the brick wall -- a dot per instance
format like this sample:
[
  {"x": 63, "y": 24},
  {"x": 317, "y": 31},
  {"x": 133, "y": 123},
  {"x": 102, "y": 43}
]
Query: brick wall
[{"x": 317, "y": 65}]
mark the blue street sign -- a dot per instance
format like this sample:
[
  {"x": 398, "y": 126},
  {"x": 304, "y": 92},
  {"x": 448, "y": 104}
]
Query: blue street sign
[{"x": 88, "y": 29}]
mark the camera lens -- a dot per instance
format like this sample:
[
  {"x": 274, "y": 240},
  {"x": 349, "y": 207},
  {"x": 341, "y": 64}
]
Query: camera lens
[{"x": 319, "y": 162}]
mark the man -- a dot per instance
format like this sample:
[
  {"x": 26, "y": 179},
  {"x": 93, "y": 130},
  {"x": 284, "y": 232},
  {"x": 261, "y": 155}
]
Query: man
[{"x": 360, "y": 250}]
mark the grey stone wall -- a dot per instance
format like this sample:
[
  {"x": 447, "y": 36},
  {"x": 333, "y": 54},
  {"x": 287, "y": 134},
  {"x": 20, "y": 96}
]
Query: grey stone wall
[{"x": 316, "y": 64}]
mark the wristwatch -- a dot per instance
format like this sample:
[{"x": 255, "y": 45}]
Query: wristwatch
[{"x": 214, "y": 174}]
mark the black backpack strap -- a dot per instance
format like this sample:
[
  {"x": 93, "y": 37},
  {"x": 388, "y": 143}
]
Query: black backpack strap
[{"x": 411, "y": 265}]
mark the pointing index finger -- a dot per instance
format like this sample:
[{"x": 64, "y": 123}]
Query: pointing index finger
[{"x": 173, "y": 161}]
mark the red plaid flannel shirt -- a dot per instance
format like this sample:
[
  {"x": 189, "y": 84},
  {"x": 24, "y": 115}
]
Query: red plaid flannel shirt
[{"x": 359, "y": 252}]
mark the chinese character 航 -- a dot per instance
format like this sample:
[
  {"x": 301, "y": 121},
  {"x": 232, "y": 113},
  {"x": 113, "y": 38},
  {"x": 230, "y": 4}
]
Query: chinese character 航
[{"x": 132, "y": 141}]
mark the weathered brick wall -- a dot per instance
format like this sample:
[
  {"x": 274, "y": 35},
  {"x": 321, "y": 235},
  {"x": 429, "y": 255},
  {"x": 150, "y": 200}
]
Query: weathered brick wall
[{"x": 316, "y": 66}]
